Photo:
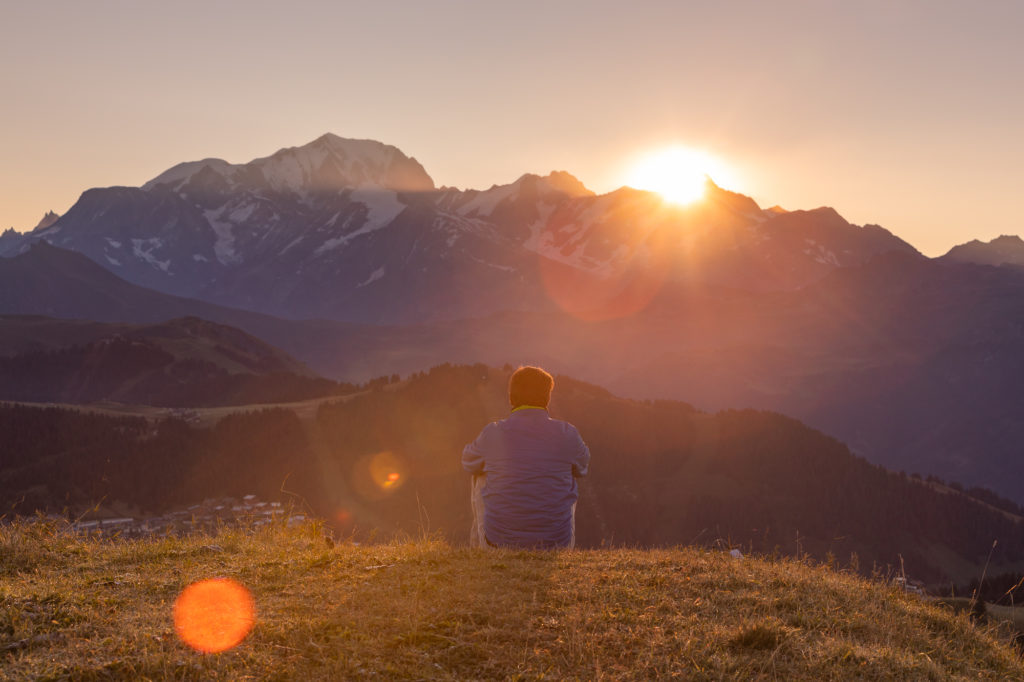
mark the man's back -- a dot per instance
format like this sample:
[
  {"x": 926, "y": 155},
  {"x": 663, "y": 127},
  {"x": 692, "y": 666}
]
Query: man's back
[{"x": 531, "y": 463}]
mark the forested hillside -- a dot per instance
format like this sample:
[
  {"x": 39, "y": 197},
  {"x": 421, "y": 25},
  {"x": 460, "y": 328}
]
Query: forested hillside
[
  {"x": 387, "y": 460},
  {"x": 54, "y": 459},
  {"x": 664, "y": 473},
  {"x": 185, "y": 362}
]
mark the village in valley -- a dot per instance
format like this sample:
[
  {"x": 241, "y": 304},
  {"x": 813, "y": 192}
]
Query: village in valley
[{"x": 211, "y": 514}]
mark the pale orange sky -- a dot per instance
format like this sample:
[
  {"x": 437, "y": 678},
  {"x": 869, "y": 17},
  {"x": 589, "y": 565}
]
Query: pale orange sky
[{"x": 905, "y": 114}]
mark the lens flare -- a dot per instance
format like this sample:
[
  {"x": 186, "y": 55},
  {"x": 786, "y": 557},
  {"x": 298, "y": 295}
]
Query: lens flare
[
  {"x": 214, "y": 615},
  {"x": 379, "y": 475},
  {"x": 593, "y": 298}
]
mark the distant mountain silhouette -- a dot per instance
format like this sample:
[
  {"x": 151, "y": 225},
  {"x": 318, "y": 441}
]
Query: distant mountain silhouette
[
  {"x": 45, "y": 280},
  {"x": 54, "y": 282},
  {"x": 49, "y": 218},
  {"x": 185, "y": 362},
  {"x": 1004, "y": 250}
]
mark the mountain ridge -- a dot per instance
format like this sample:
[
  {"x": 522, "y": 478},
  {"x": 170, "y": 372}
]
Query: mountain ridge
[
  {"x": 1003, "y": 250},
  {"x": 183, "y": 362},
  {"x": 354, "y": 230},
  {"x": 327, "y": 163}
]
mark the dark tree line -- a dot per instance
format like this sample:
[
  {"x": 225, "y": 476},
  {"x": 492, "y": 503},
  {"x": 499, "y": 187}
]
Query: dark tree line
[
  {"x": 133, "y": 371},
  {"x": 664, "y": 473},
  {"x": 388, "y": 459},
  {"x": 55, "y": 459}
]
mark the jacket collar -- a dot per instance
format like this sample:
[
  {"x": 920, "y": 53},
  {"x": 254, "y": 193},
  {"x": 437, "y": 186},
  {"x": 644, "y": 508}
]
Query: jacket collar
[{"x": 524, "y": 408}]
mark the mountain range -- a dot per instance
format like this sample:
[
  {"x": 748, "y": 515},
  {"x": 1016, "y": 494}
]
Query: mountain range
[
  {"x": 354, "y": 230},
  {"x": 344, "y": 254}
]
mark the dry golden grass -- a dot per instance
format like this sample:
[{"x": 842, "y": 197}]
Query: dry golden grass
[{"x": 82, "y": 609}]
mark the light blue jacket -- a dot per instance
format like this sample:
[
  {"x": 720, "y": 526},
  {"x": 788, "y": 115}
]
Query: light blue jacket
[{"x": 532, "y": 463}]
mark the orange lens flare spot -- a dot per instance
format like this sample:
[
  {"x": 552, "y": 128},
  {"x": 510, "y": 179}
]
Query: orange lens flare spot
[
  {"x": 214, "y": 615},
  {"x": 379, "y": 475}
]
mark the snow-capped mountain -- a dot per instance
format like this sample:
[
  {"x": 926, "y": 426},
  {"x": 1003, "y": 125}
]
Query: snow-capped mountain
[
  {"x": 327, "y": 164},
  {"x": 356, "y": 230}
]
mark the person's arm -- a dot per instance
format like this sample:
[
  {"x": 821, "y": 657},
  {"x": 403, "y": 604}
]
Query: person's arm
[
  {"x": 473, "y": 454},
  {"x": 581, "y": 455}
]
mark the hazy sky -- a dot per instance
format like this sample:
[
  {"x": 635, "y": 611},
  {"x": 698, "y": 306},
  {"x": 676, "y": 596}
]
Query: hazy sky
[{"x": 905, "y": 114}]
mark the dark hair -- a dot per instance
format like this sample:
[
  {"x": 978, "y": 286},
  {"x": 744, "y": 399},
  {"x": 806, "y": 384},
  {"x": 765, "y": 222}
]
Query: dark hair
[{"x": 530, "y": 386}]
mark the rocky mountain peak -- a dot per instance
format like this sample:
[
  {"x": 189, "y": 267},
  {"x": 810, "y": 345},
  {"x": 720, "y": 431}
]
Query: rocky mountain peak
[
  {"x": 566, "y": 183},
  {"x": 327, "y": 164},
  {"x": 331, "y": 162},
  {"x": 48, "y": 219}
]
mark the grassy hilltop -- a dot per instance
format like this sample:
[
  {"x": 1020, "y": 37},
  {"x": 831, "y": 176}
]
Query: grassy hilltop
[{"x": 80, "y": 609}]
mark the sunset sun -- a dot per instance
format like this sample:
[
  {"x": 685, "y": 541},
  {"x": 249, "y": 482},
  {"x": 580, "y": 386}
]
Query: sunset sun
[{"x": 679, "y": 174}]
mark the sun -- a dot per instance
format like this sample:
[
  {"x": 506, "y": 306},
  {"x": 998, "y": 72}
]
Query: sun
[{"x": 679, "y": 174}]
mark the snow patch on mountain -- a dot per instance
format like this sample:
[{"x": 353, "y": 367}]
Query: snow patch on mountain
[
  {"x": 566, "y": 243},
  {"x": 242, "y": 213},
  {"x": 503, "y": 268},
  {"x": 180, "y": 174},
  {"x": 554, "y": 187},
  {"x": 224, "y": 247},
  {"x": 374, "y": 276},
  {"x": 328, "y": 245},
  {"x": 289, "y": 169},
  {"x": 484, "y": 203},
  {"x": 292, "y": 243},
  {"x": 382, "y": 207},
  {"x": 820, "y": 254},
  {"x": 537, "y": 227},
  {"x": 144, "y": 248},
  {"x": 329, "y": 163}
]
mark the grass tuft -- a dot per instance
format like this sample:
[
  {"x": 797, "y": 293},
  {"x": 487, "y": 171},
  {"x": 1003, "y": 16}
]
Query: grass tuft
[{"x": 757, "y": 637}]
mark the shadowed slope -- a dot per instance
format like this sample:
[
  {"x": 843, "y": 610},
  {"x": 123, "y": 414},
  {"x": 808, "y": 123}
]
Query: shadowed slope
[{"x": 185, "y": 362}]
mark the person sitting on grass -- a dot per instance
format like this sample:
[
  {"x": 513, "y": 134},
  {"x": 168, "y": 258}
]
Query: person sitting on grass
[{"x": 524, "y": 471}]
